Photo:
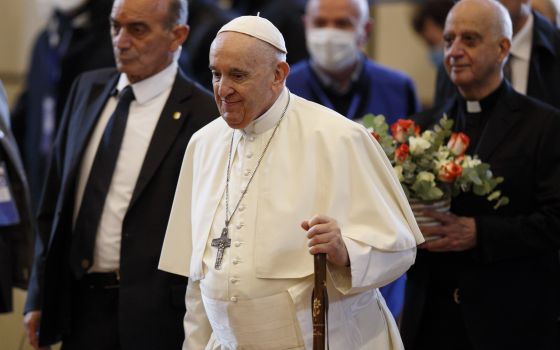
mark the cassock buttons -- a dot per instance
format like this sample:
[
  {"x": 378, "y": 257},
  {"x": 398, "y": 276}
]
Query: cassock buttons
[
  {"x": 237, "y": 244},
  {"x": 235, "y": 261},
  {"x": 250, "y": 155},
  {"x": 251, "y": 138},
  {"x": 233, "y": 280},
  {"x": 239, "y": 226},
  {"x": 85, "y": 264},
  {"x": 233, "y": 299},
  {"x": 177, "y": 115},
  {"x": 241, "y": 207}
]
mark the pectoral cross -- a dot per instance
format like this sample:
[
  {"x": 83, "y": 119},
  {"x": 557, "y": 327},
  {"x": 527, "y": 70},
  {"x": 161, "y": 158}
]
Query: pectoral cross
[{"x": 221, "y": 243}]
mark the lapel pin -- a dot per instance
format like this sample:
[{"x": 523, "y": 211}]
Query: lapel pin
[{"x": 176, "y": 115}]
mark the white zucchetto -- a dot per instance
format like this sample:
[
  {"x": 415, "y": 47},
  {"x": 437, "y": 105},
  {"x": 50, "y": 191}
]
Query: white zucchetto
[{"x": 257, "y": 27}]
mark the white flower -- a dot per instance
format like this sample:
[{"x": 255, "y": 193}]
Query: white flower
[
  {"x": 428, "y": 135},
  {"x": 442, "y": 153},
  {"x": 426, "y": 176},
  {"x": 399, "y": 172},
  {"x": 418, "y": 145},
  {"x": 470, "y": 162}
]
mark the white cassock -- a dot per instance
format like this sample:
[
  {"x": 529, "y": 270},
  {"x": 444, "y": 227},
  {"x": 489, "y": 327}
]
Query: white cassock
[{"x": 318, "y": 162}]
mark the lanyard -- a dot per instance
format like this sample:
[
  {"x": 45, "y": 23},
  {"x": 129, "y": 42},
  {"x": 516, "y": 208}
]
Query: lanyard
[{"x": 352, "y": 109}]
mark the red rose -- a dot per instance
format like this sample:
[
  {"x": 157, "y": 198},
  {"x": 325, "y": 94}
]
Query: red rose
[
  {"x": 377, "y": 137},
  {"x": 458, "y": 143},
  {"x": 402, "y": 152},
  {"x": 401, "y": 127},
  {"x": 450, "y": 172}
]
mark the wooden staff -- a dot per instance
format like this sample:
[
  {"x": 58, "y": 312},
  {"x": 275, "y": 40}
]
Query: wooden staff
[{"x": 319, "y": 302}]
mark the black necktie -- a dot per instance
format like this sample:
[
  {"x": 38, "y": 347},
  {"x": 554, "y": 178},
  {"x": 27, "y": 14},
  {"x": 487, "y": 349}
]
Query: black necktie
[{"x": 97, "y": 186}]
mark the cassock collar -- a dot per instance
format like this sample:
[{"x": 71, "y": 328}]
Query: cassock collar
[
  {"x": 269, "y": 118},
  {"x": 151, "y": 87},
  {"x": 485, "y": 104}
]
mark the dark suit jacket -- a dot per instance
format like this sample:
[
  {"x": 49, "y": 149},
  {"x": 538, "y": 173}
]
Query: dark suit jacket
[
  {"x": 509, "y": 285},
  {"x": 151, "y": 305},
  {"x": 544, "y": 67},
  {"x": 16, "y": 241}
]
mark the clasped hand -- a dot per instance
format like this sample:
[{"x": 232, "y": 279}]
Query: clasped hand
[
  {"x": 325, "y": 237},
  {"x": 458, "y": 233}
]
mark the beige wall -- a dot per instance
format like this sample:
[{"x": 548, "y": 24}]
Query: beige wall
[
  {"x": 393, "y": 44},
  {"x": 19, "y": 22},
  {"x": 397, "y": 45}
]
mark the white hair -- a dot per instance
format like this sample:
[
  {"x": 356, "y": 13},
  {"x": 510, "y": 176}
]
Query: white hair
[{"x": 504, "y": 21}]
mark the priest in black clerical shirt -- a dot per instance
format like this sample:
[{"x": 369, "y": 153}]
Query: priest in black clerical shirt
[{"x": 491, "y": 281}]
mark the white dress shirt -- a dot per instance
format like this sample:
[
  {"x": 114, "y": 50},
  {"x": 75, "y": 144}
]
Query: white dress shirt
[
  {"x": 150, "y": 97},
  {"x": 520, "y": 56}
]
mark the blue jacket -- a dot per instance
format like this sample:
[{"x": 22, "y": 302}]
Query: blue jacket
[{"x": 379, "y": 90}]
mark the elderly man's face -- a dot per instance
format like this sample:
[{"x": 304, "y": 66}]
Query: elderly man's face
[
  {"x": 472, "y": 52},
  {"x": 243, "y": 79},
  {"x": 142, "y": 43}
]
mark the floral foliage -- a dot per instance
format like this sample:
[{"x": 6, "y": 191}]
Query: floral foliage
[{"x": 433, "y": 164}]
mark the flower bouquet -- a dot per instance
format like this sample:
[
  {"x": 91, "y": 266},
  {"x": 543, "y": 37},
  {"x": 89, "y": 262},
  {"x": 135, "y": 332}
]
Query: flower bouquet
[{"x": 432, "y": 166}]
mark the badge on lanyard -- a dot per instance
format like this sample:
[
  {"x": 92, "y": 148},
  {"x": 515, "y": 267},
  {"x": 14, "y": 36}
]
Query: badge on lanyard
[{"x": 8, "y": 210}]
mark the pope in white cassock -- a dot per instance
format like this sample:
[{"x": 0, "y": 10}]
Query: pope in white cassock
[{"x": 259, "y": 191}]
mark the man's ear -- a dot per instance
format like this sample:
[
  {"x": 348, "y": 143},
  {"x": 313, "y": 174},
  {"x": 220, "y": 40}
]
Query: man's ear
[
  {"x": 505, "y": 47},
  {"x": 180, "y": 34},
  {"x": 281, "y": 73},
  {"x": 367, "y": 29}
]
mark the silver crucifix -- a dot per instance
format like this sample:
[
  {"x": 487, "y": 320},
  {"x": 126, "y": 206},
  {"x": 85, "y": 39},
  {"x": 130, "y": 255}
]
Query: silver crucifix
[{"x": 221, "y": 243}]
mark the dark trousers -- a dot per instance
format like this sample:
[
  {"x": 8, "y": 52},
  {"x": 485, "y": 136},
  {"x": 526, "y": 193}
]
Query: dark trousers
[
  {"x": 442, "y": 326},
  {"x": 95, "y": 319}
]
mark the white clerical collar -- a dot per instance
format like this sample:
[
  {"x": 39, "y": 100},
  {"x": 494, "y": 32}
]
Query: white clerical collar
[
  {"x": 147, "y": 89},
  {"x": 523, "y": 40},
  {"x": 473, "y": 107},
  {"x": 269, "y": 118}
]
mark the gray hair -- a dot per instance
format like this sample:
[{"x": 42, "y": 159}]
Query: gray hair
[
  {"x": 361, "y": 5},
  {"x": 504, "y": 21},
  {"x": 363, "y": 10},
  {"x": 178, "y": 13}
]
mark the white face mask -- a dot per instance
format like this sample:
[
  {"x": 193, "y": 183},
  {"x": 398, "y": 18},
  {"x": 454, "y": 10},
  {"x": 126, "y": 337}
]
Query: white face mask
[
  {"x": 334, "y": 50},
  {"x": 68, "y": 5}
]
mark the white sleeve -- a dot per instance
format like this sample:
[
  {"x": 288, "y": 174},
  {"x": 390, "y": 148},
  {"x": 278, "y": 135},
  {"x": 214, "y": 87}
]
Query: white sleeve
[
  {"x": 197, "y": 326},
  {"x": 369, "y": 267}
]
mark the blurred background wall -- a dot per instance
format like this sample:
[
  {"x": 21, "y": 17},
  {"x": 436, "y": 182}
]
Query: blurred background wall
[{"x": 393, "y": 44}]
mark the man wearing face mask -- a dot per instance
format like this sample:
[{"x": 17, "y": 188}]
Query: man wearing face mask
[
  {"x": 75, "y": 39},
  {"x": 338, "y": 75}
]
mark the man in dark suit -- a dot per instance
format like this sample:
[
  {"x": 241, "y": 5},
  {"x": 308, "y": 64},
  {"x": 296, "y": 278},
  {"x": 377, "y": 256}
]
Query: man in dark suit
[
  {"x": 491, "y": 282},
  {"x": 534, "y": 67},
  {"x": 16, "y": 224},
  {"x": 109, "y": 190}
]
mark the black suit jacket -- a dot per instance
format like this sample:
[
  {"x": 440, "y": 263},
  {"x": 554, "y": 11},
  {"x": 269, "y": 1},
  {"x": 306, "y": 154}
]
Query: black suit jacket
[
  {"x": 508, "y": 283},
  {"x": 544, "y": 67},
  {"x": 16, "y": 241},
  {"x": 151, "y": 302}
]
